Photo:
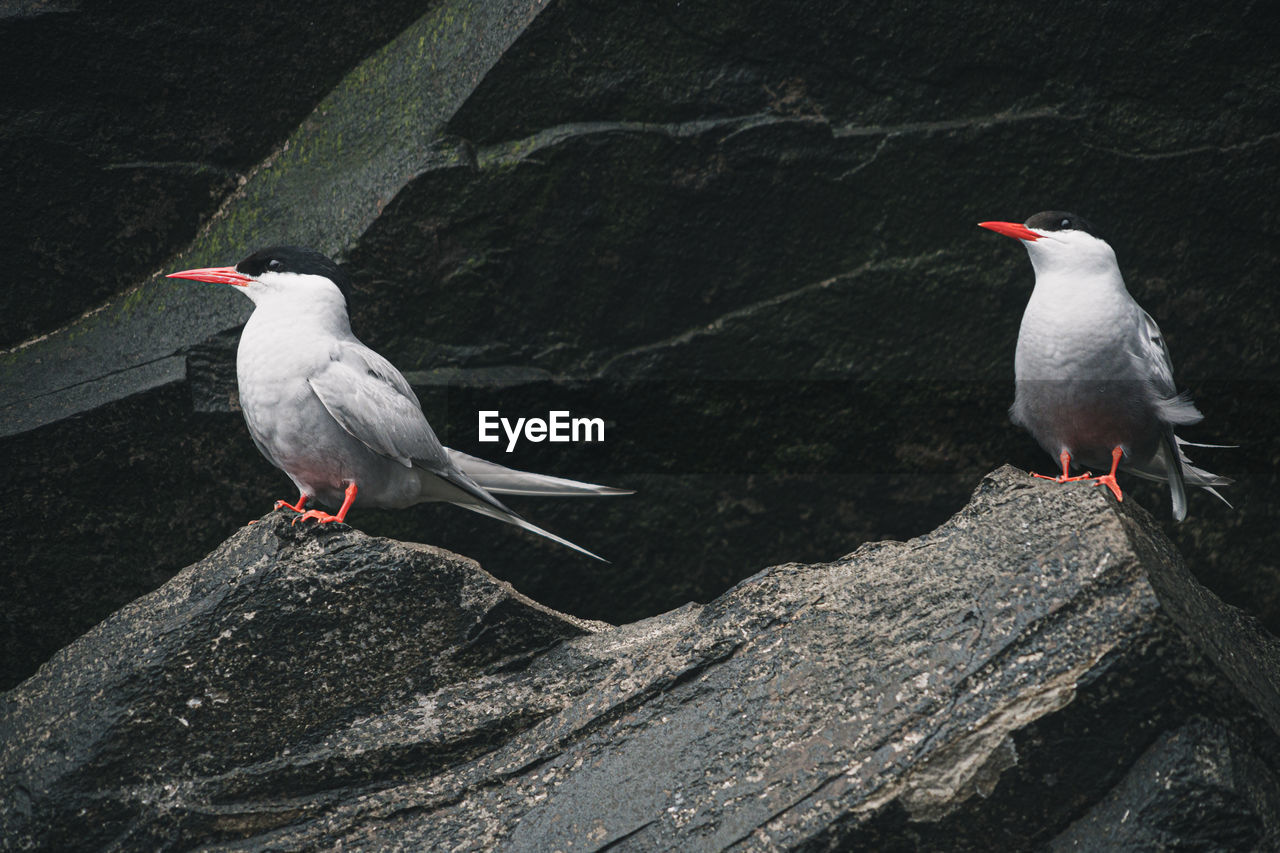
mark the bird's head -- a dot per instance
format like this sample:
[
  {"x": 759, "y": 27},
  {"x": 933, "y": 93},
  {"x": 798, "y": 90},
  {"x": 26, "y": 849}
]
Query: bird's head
[
  {"x": 1060, "y": 243},
  {"x": 287, "y": 273}
]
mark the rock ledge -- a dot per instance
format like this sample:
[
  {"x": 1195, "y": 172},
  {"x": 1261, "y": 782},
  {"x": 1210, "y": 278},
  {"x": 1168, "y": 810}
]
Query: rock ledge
[{"x": 1022, "y": 676}]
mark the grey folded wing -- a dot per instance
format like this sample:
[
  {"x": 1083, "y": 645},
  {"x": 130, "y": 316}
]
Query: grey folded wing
[
  {"x": 1156, "y": 365},
  {"x": 369, "y": 399}
]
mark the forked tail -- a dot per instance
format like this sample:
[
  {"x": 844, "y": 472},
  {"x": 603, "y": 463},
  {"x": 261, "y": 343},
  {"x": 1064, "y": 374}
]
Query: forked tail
[
  {"x": 511, "y": 518},
  {"x": 502, "y": 480},
  {"x": 1172, "y": 466}
]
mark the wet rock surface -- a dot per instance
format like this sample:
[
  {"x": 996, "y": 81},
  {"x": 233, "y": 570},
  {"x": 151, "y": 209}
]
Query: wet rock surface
[
  {"x": 745, "y": 239},
  {"x": 1039, "y": 671},
  {"x": 127, "y": 126}
]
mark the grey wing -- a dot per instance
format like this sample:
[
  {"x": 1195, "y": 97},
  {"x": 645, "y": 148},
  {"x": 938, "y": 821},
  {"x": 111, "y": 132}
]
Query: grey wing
[
  {"x": 1155, "y": 363},
  {"x": 369, "y": 398},
  {"x": 1154, "y": 355}
]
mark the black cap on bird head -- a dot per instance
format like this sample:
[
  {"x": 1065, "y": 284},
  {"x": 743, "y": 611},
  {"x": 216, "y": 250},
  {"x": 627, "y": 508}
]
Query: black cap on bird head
[
  {"x": 295, "y": 259},
  {"x": 1059, "y": 220}
]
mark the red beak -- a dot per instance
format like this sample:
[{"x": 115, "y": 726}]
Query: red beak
[
  {"x": 1010, "y": 229},
  {"x": 214, "y": 275}
]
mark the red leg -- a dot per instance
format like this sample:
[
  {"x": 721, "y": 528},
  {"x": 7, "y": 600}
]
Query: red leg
[
  {"x": 1109, "y": 480},
  {"x": 1066, "y": 477},
  {"x": 324, "y": 517},
  {"x": 302, "y": 501}
]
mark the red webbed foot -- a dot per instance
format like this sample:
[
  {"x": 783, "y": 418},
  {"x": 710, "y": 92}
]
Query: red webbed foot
[
  {"x": 1065, "y": 476},
  {"x": 1109, "y": 480},
  {"x": 326, "y": 518},
  {"x": 283, "y": 504},
  {"x": 302, "y": 501},
  {"x": 317, "y": 515}
]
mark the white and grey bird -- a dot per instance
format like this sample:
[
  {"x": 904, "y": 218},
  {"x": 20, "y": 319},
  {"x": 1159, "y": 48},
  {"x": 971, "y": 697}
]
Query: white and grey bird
[
  {"x": 1094, "y": 382},
  {"x": 337, "y": 417}
]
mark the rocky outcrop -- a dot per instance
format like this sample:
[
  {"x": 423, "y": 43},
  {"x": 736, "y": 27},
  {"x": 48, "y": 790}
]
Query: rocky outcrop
[{"x": 1039, "y": 671}]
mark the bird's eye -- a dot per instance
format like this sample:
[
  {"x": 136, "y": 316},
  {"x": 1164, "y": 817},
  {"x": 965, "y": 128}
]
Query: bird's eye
[
  {"x": 1066, "y": 223},
  {"x": 275, "y": 265}
]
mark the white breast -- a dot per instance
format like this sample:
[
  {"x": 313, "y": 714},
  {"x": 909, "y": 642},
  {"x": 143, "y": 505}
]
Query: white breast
[{"x": 1076, "y": 329}]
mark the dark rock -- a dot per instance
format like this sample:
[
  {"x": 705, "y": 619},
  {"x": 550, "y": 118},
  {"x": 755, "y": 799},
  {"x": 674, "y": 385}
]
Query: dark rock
[
  {"x": 1200, "y": 787},
  {"x": 284, "y": 636},
  {"x": 1011, "y": 680},
  {"x": 132, "y": 123}
]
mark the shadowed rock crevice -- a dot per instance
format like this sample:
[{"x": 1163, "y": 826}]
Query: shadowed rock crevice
[{"x": 1014, "y": 678}]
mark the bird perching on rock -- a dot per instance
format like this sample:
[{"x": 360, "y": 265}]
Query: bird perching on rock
[
  {"x": 338, "y": 418},
  {"x": 1094, "y": 382}
]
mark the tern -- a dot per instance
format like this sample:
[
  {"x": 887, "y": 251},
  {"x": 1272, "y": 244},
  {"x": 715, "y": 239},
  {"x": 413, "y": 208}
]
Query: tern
[
  {"x": 1094, "y": 381},
  {"x": 338, "y": 418}
]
